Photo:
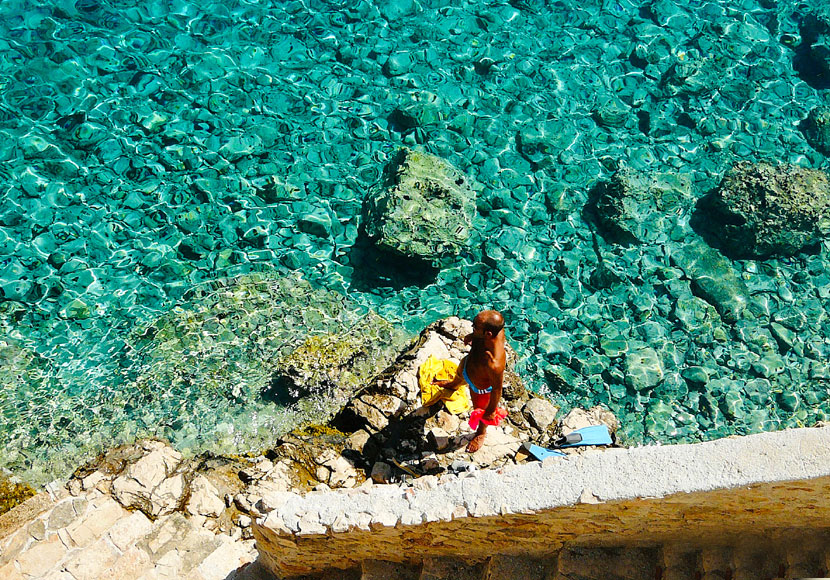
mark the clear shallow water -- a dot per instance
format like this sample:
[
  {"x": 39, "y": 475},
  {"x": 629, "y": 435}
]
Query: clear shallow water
[{"x": 151, "y": 148}]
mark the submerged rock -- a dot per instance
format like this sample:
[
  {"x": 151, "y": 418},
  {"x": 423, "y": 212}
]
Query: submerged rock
[
  {"x": 612, "y": 113},
  {"x": 692, "y": 77},
  {"x": 227, "y": 337},
  {"x": 760, "y": 210},
  {"x": 713, "y": 279},
  {"x": 695, "y": 315},
  {"x": 635, "y": 207},
  {"x": 816, "y": 129},
  {"x": 418, "y": 110},
  {"x": 340, "y": 363},
  {"x": 643, "y": 369},
  {"x": 534, "y": 147},
  {"x": 32, "y": 401},
  {"x": 425, "y": 210},
  {"x": 812, "y": 59}
]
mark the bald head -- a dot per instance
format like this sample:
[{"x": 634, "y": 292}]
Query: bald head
[{"x": 489, "y": 321}]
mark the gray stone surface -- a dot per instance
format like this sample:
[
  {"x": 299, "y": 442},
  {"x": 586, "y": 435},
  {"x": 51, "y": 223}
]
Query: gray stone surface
[
  {"x": 151, "y": 484},
  {"x": 540, "y": 412},
  {"x": 204, "y": 498},
  {"x": 580, "y": 418},
  {"x": 381, "y": 472},
  {"x": 92, "y": 537}
]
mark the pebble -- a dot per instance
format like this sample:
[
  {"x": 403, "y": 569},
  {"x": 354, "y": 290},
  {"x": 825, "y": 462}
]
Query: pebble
[
  {"x": 643, "y": 369},
  {"x": 397, "y": 64}
]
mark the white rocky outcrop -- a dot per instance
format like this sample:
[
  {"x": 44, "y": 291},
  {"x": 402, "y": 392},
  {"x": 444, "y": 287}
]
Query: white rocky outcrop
[{"x": 151, "y": 484}]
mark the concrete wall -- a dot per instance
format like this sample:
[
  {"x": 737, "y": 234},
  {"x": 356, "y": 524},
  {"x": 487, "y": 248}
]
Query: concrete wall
[{"x": 767, "y": 486}]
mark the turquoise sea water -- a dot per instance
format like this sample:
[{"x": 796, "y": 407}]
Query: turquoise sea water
[{"x": 151, "y": 153}]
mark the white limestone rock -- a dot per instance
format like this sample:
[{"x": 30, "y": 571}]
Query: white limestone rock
[
  {"x": 151, "y": 484},
  {"x": 540, "y": 412},
  {"x": 580, "y": 418},
  {"x": 498, "y": 445},
  {"x": 204, "y": 498},
  {"x": 341, "y": 471},
  {"x": 276, "y": 499}
]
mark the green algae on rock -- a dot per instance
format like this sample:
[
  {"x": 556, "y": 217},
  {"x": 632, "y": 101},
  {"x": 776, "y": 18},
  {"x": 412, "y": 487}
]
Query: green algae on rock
[
  {"x": 13, "y": 493},
  {"x": 227, "y": 336},
  {"x": 761, "y": 210},
  {"x": 425, "y": 209},
  {"x": 340, "y": 363},
  {"x": 213, "y": 357}
]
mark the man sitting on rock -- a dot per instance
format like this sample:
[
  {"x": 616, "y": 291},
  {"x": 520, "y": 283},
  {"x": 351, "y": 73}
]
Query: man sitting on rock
[{"x": 483, "y": 371}]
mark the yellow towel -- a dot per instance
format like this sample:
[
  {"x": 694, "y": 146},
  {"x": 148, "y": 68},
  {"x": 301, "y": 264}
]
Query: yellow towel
[{"x": 442, "y": 370}]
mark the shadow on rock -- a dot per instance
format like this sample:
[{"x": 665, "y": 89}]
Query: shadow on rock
[
  {"x": 812, "y": 56},
  {"x": 708, "y": 222},
  {"x": 375, "y": 268}
]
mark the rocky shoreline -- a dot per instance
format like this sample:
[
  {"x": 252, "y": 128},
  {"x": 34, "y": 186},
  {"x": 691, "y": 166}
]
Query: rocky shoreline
[
  {"x": 147, "y": 507},
  {"x": 380, "y": 436}
]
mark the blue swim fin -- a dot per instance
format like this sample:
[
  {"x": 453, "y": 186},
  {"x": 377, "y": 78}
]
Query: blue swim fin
[
  {"x": 593, "y": 435},
  {"x": 541, "y": 453}
]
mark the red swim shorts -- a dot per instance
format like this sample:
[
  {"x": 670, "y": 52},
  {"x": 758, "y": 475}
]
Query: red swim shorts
[{"x": 480, "y": 402}]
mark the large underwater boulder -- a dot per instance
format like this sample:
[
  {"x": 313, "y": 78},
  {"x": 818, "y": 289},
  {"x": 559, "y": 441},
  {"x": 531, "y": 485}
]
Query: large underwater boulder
[
  {"x": 760, "y": 210},
  {"x": 636, "y": 207},
  {"x": 424, "y": 210},
  {"x": 228, "y": 338}
]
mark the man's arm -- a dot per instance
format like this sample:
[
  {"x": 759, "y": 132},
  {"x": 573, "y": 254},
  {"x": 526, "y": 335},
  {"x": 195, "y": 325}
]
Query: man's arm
[{"x": 454, "y": 382}]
